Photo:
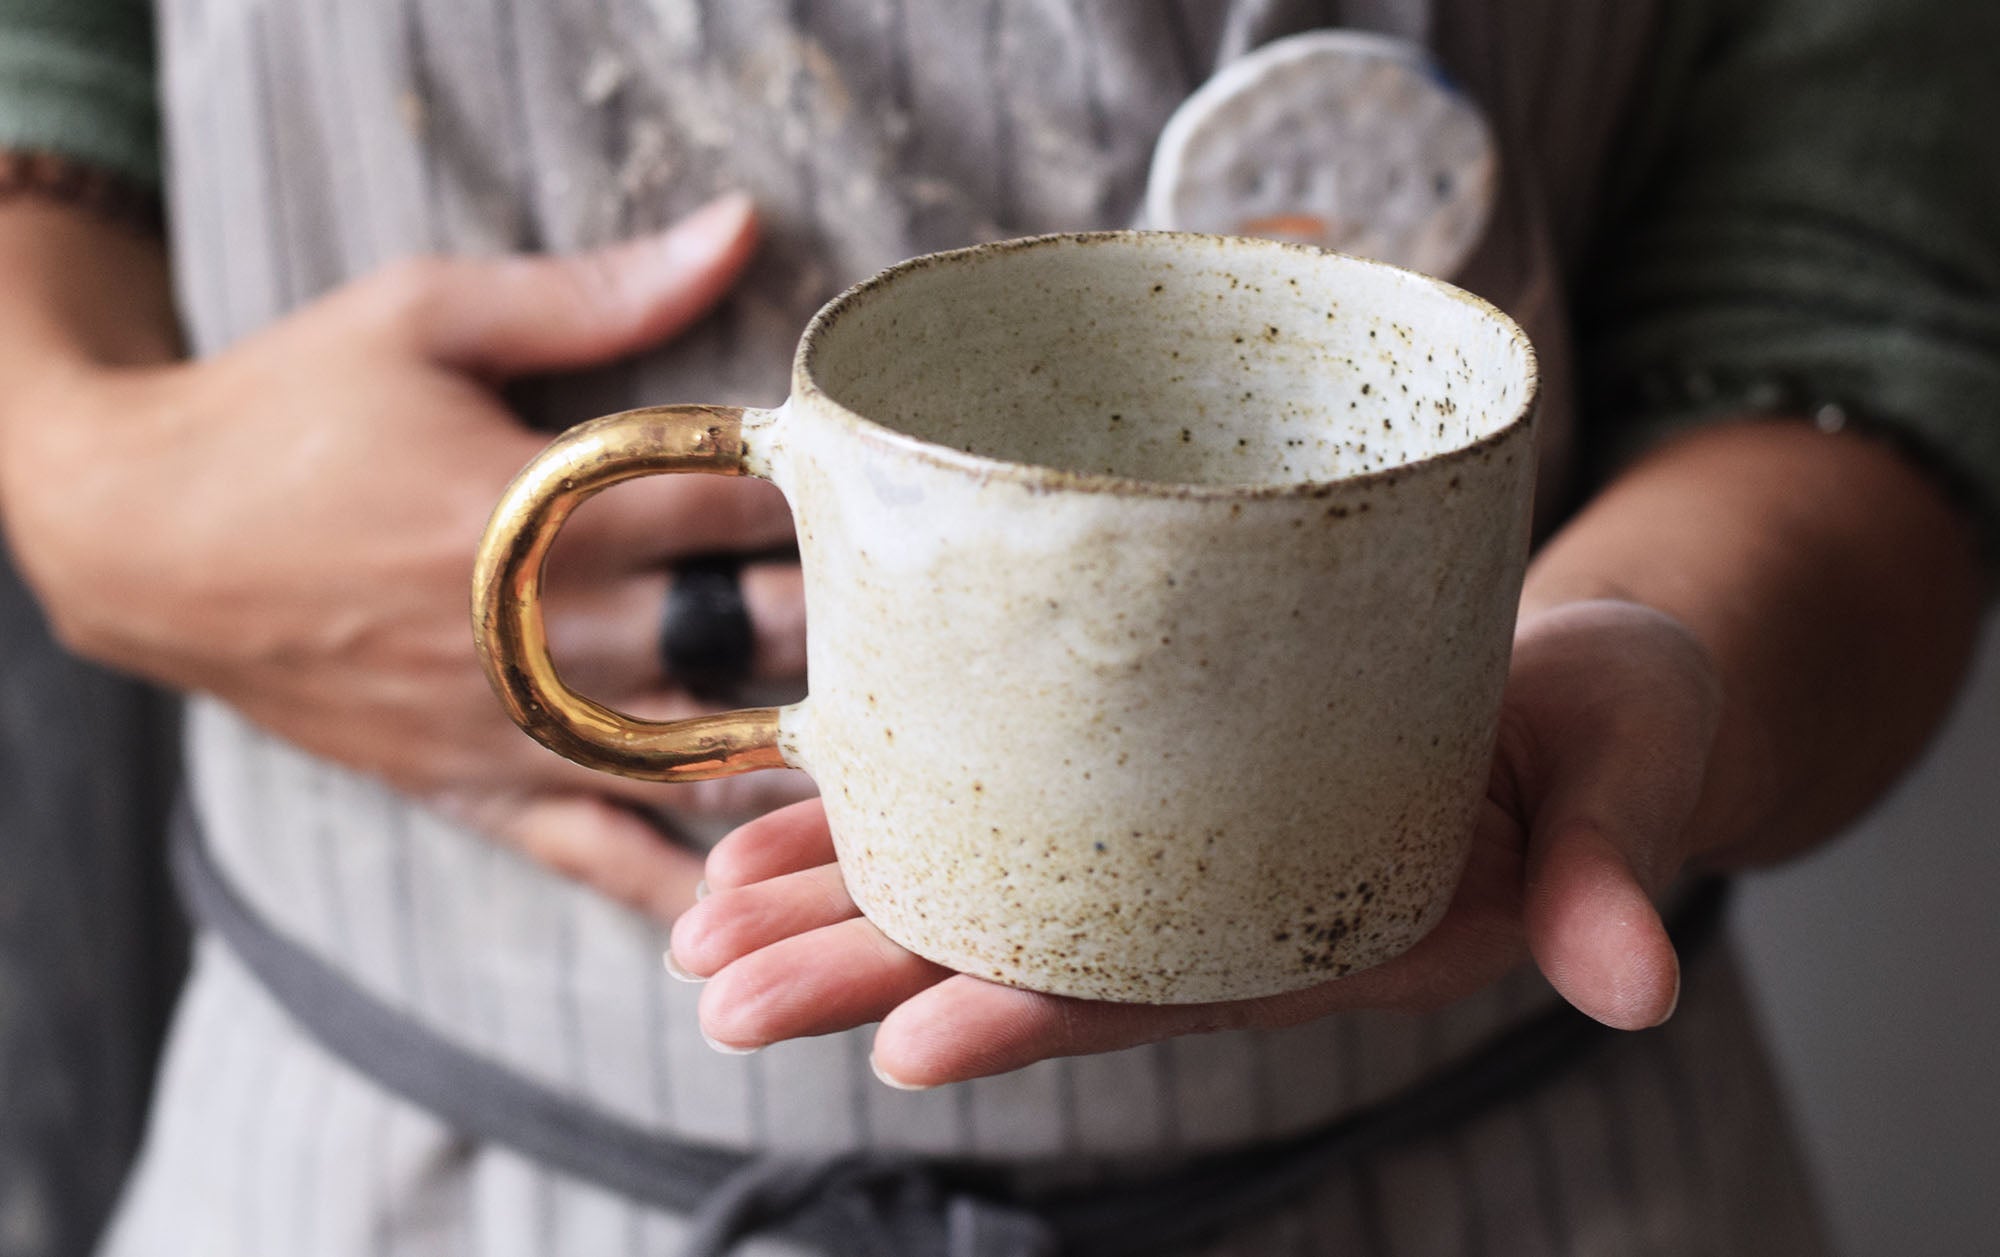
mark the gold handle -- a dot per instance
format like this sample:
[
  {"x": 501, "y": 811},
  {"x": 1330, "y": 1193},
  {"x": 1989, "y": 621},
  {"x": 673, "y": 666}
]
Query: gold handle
[{"x": 507, "y": 593}]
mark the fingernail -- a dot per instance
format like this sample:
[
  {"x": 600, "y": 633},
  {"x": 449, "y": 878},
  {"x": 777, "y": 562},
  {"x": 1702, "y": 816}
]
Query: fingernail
[
  {"x": 701, "y": 890},
  {"x": 674, "y": 968},
  {"x": 726, "y": 1049},
  {"x": 891, "y": 1080},
  {"x": 1674, "y": 1003},
  {"x": 713, "y": 222}
]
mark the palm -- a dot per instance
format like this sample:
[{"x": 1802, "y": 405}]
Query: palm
[{"x": 1606, "y": 705}]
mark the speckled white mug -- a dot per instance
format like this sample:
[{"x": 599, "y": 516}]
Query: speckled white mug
[{"x": 1160, "y": 592}]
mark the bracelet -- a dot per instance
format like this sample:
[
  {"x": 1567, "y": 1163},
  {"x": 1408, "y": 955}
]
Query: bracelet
[{"x": 68, "y": 182}]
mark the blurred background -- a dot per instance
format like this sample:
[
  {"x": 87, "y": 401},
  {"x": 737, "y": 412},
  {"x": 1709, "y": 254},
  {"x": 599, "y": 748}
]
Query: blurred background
[
  {"x": 91, "y": 947},
  {"x": 1877, "y": 962}
]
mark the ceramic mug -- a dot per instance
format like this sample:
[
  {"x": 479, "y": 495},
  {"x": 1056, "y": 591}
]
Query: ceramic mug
[{"x": 1160, "y": 592}]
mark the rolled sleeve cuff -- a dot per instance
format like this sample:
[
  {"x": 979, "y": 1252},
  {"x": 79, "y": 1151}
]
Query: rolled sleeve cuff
[{"x": 93, "y": 107}]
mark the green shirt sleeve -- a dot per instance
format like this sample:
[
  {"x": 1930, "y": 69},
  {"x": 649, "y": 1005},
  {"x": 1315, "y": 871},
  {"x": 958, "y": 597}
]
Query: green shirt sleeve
[
  {"x": 76, "y": 78},
  {"x": 1808, "y": 217}
]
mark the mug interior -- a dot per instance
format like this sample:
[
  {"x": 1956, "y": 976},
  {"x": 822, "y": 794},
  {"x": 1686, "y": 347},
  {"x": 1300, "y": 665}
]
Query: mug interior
[{"x": 1172, "y": 359}]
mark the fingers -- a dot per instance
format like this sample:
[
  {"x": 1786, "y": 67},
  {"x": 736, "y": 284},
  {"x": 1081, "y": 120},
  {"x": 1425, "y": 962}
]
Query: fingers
[
  {"x": 829, "y": 979},
  {"x": 510, "y": 316},
  {"x": 784, "y": 841},
  {"x": 965, "y": 1027},
  {"x": 1594, "y": 931},
  {"x": 775, "y": 594},
  {"x": 732, "y": 923},
  {"x": 789, "y": 952},
  {"x": 969, "y": 1028},
  {"x": 596, "y": 842},
  {"x": 790, "y": 956},
  {"x": 654, "y": 520},
  {"x": 1613, "y": 710},
  {"x": 785, "y": 967},
  {"x": 740, "y": 797}
]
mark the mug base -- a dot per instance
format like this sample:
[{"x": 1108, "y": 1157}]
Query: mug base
[{"x": 1278, "y": 969}]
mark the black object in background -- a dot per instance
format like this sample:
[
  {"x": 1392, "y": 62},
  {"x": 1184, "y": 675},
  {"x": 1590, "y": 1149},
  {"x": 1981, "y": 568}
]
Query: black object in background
[{"x": 92, "y": 948}]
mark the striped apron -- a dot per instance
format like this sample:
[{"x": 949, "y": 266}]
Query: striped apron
[{"x": 311, "y": 142}]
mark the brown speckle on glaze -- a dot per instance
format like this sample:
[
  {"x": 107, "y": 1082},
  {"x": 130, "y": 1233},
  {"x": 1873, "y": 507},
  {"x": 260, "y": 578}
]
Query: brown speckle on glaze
[{"x": 1214, "y": 734}]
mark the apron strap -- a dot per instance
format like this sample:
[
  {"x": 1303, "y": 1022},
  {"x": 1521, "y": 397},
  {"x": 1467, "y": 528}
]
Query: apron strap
[{"x": 867, "y": 1204}]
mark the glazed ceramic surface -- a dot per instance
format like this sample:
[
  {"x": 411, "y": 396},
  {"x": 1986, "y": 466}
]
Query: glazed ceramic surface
[{"x": 1160, "y": 591}]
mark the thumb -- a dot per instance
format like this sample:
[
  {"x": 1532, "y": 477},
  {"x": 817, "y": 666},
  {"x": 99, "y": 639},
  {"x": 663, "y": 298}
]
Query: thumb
[
  {"x": 517, "y": 315},
  {"x": 1594, "y": 931},
  {"x": 1617, "y": 708}
]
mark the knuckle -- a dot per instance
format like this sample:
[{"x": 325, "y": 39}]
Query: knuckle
[
  {"x": 78, "y": 618},
  {"x": 592, "y": 281},
  {"x": 732, "y": 863},
  {"x": 831, "y": 893},
  {"x": 736, "y": 1008},
  {"x": 407, "y": 292},
  {"x": 79, "y": 634},
  {"x": 578, "y": 289},
  {"x": 695, "y": 945}
]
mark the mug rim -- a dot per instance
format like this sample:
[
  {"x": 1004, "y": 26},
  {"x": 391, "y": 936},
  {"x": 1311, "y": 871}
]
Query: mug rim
[{"x": 1042, "y": 479}]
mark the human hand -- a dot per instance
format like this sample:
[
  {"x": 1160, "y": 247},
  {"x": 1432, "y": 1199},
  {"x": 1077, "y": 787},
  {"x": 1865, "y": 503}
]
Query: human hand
[
  {"x": 290, "y": 524},
  {"x": 1610, "y": 716}
]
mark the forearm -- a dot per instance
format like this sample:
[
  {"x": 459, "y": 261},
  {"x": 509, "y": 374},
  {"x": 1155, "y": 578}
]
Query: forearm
[
  {"x": 80, "y": 298},
  {"x": 1837, "y": 589}
]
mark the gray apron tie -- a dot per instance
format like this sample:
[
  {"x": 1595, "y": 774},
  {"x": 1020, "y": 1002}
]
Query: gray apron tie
[
  {"x": 893, "y": 1206},
  {"x": 869, "y": 1204}
]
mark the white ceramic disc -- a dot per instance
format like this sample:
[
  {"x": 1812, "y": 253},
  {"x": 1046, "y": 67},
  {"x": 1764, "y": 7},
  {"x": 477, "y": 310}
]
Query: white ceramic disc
[{"x": 1343, "y": 139}]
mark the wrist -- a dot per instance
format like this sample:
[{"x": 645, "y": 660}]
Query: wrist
[
  {"x": 82, "y": 298},
  {"x": 59, "y": 180},
  {"x": 79, "y": 291}
]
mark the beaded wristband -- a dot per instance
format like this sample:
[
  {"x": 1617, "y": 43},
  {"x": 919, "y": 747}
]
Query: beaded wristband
[{"x": 65, "y": 181}]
